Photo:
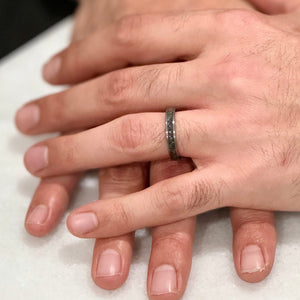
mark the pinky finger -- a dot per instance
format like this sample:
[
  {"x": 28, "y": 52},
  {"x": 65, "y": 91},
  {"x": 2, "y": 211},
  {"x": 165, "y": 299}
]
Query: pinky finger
[{"x": 49, "y": 203}]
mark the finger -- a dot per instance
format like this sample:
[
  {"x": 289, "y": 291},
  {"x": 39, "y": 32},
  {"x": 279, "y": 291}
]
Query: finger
[
  {"x": 254, "y": 243},
  {"x": 132, "y": 90},
  {"x": 134, "y": 40},
  {"x": 112, "y": 256},
  {"x": 165, "y": 202},
  {"x": 49, "y": 203},
  {"x": 172, "y": 244},
  {"x": 132, "y": 138}
]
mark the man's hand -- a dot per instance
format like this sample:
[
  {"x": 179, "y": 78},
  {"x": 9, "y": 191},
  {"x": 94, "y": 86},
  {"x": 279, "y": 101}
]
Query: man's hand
[
  {"x": 241, "y": 86},
  {"x": 252, "y": 222}
]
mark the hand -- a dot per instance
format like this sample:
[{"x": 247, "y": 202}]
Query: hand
[
  {"x": 249, "y": 91},
  {"x": 244, "y": 214}
]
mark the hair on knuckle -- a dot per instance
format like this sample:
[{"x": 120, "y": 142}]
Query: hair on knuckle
[
  {"x": 201, "y": 194},
  {"x": 185, "y": 199},
  {"x": 157, "y": 81},
  {"x": 135, "y": 135}
]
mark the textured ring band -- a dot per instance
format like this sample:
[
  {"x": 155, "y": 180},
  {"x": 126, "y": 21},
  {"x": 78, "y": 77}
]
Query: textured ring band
[{"x": 171, "y": 133}]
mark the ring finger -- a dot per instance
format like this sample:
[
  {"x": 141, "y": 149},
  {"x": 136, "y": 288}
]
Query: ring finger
[{"x": 139, "y": 137}]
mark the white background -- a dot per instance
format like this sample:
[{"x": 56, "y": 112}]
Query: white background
[{"x": 58, "y": 266}]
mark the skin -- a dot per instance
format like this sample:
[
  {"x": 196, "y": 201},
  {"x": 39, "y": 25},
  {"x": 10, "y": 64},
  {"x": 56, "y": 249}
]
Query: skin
[{"x": 240, "y": 218}]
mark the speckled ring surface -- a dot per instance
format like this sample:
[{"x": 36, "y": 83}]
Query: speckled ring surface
[{"x": 171, "y": 133}]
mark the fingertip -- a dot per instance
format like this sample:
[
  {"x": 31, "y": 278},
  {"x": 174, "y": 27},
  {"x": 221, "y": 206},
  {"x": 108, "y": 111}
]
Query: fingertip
[
  {"x": 37, "y": 230},
  {"x": 36, "y": 158},
  {"x": 254, "y": 249},
  {"x": 69, "y": 224},
  {"x": 51, "y": 69},
  {"x": 41, "y": 220},
  {"x": 111, "y": 261},
  {"x": 253, "y": 265},
  {"x": 82, "y": 223},
  {"x": 49, "y": 204},
  {"x": 27, "y": 117}
]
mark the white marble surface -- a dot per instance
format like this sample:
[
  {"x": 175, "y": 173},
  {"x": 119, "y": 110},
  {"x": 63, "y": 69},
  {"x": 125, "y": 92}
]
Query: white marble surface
[{"x": 58, "y": 266}]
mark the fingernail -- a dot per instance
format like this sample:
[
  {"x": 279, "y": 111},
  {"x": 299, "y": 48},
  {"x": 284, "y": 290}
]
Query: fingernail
[
  {"x": 27, "y": 117},
  {"x": 39, "y": 215},
  {"x": 36, "y": 158},
  {"x": 109, "y": 264},
  {"x": 252, "y": 259},
  {"x": 52, "y": 68},
  {"x": 83, "y": 223},
  {"x": 164, "y": 280}
]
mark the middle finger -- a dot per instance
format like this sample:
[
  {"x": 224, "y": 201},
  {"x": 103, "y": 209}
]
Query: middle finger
[
  {"x": 132, "y": 90},
  {"x": 112, "y": 256}
]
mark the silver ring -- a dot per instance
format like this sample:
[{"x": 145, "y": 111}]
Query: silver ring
[{"x": 171, "y": 133}]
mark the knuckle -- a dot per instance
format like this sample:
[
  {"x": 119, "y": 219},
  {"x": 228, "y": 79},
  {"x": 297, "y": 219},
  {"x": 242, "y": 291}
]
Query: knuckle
[
  {"x": 176, "y": 240},
  {"x": 201, "y": 194},
  {"x": 224, "y": 68},
  {"x": 118, "y": 87},
  {"x": 127, "y": 30},
  {"x": 184, "y": 199},
  {"x": 152, "y": 82},
  {"x": 123, "y": 214},
  {"x": 254, "y": 228},
  {"x": 230, "y": 69},
  {"x": 133, "y": 135},
  {"x": 158, "y": 81},
  {"x": 171, "y": 201},
  {"x": 124, "y": 179}
]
